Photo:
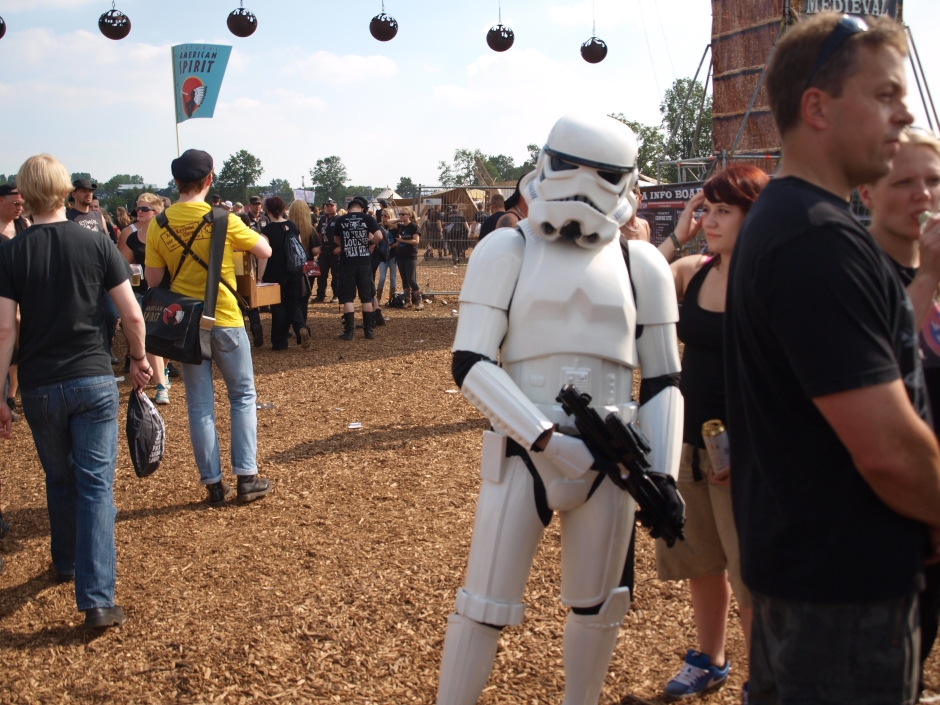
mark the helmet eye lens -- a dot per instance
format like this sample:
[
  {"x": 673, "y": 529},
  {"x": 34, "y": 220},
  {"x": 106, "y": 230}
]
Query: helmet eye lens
[
  {"x": 612, "y": 177},
  {"x": 562, "y": 165}
]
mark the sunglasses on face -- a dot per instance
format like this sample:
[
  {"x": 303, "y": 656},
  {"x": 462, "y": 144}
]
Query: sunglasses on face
[{"x": 144, "y": 209}]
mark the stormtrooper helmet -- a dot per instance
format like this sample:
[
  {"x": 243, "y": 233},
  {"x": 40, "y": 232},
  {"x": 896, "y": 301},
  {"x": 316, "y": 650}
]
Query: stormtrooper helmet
[{"x": 582, "y": 186}]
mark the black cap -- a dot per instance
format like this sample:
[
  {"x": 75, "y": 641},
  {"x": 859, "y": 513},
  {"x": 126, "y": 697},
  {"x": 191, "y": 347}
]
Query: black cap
[
  {"x": 360, "y": 201},
  {"x": 255, "y": 200},
  {"x": 192, "y": 165},
  {"x": 8, "y": 190},
  {"x": 329, "y": 201},
  {"x": 84, "y": 183}
]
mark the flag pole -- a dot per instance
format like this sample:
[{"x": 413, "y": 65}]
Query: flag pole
[{"x": 175, "y": 98}]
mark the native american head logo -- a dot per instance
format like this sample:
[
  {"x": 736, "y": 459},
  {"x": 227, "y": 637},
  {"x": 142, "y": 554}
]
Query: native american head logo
[
  {"x": 194, "y": 93},
  {"x": 172, "y": 314}
]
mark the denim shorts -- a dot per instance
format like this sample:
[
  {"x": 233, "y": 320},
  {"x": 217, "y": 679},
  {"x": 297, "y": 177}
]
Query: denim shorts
[{"x": 805, "y": 653}]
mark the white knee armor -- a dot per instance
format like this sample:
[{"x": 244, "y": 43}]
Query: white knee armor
[{"x": 547, "y": 304}]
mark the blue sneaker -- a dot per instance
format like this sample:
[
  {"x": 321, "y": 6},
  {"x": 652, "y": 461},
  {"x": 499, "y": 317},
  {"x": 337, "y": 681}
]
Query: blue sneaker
[
  {"x": 163, "y": 396},
  {"x": 698, "y": 676}
]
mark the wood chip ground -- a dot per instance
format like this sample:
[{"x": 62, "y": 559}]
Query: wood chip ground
[{"x": 336, "y": 587}]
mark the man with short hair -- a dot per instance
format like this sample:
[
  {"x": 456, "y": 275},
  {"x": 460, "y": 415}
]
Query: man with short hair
[
  {"x": 328, "y": 260},
  {"x": 231, "y": 352},
  {"x": 897, "y": 203},
  {"x": 256, "y": 214},
  {"x": 352, "y": 235},
  {"x": 216, "y": 199},
  {"x": 238, "y": 208},
  {"x": 12, "y": 221},
  {"x": 497, "y": 208},
  {"x": 82, "y": 213},
  {"x": 835, "y": 470}
]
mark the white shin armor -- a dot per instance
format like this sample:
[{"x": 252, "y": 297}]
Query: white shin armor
[{"x": 469, "y": 651}]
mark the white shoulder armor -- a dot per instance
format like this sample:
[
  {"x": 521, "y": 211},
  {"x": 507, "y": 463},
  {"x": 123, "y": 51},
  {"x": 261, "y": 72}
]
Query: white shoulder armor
[
  {"x": 654, "y": 285},
  {"x": 493, "y": 269}
]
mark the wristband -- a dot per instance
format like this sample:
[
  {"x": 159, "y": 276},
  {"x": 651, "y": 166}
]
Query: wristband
[
  {"x": 137, "y": 359},
  {"x": 675, "y": 241}
]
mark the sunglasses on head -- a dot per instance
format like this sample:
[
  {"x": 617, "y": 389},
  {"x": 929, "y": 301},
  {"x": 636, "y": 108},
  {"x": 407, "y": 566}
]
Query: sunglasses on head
[{"x": 845, "y": 28}]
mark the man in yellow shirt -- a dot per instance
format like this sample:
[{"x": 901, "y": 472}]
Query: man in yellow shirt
[{"x": 230, "y": 349}]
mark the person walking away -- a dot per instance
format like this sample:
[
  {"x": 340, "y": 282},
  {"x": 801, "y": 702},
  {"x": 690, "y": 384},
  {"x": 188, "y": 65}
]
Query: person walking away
[
  {"x": 896, "y": 203},
  {"x": 434, "y": 232},
  {"x": 58, "y": 273},
  {"x": 497, "y": 208},
  {"x": 407, "y": 256},
  {"x": 836, "y": 472},
  {"x": 299, "y": 214},
  {"x": 328, "y": 260},
  {"x": 82, "y": 213},
  {"x": 256, "y": 220},
  {"x": 231, "y": 353},
  {"x": 132, "y": 243},
  {"x": 389, "y": 267},
  {"x": 289, "y": 312},
  {"x": 709, "y": 558},
  {"x": 456, "y": 228},
  {"x": 351, "y": 235}
]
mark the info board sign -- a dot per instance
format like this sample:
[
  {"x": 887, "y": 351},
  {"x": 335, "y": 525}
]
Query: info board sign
[
  {"x": 876, "y": 8},
  {"x": 663, "y": 204}
]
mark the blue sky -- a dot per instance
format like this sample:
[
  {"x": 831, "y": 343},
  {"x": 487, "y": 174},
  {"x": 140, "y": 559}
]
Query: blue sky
[{"x": 312, "y": 82}]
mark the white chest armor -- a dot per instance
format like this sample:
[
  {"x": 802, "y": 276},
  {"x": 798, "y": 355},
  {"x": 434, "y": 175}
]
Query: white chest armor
[{"x": 572, "y": 321}]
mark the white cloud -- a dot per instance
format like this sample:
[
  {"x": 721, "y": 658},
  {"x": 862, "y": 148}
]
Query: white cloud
[{"x": 326, "y": 67}]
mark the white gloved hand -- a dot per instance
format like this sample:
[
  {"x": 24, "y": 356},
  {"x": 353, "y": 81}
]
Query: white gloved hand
[{"x": 569, "y": 454}]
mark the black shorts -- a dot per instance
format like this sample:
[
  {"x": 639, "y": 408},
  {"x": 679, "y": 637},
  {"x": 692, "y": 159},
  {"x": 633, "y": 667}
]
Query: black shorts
[{"x": 353, "y": 277}]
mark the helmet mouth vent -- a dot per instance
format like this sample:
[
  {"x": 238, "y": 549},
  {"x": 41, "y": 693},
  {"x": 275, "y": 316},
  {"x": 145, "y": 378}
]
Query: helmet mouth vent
[{"x": 571, "y": 230}]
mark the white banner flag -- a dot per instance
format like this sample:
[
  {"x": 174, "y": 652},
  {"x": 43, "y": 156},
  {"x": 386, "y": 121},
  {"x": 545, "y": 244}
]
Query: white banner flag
[{"x": 307, "y": 195}]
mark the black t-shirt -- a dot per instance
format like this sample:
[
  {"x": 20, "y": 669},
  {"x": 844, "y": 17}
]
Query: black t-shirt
[
  {"x": 404, "y": 234},
  {"x": 59, "y": 274},
  {"x": 323, "y": 227},
  {"x": 813, "y": 309},
  {"x": 352, "y": 232},
  {"x": 275, "y": 271},
  {"x": 489, "y": 225},
  {"x": 92, "y": 220}
]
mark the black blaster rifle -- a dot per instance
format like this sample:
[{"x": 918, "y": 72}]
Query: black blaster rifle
[{"x": 623, "y": 452}]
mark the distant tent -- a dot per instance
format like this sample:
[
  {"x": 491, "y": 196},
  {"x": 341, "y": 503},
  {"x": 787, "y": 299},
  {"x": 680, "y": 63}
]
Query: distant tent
[{"x": 387, "y": 195}]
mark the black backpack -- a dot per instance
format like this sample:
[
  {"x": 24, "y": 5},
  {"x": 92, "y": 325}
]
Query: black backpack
[{"x": 294, "y": 254}]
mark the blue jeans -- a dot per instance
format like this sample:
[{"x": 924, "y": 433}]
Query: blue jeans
[
  {"x": 392, "y": 270},
  {"x": 232, "y": 355},
  {"x": 74, "y": 426}
]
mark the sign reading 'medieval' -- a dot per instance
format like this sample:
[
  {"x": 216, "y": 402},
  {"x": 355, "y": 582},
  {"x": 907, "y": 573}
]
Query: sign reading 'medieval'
[{"x": 875, "y": 8}]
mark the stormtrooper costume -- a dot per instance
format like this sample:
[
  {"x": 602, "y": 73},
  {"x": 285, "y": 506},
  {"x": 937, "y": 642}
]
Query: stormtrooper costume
[{"x": 549, "y": 303}]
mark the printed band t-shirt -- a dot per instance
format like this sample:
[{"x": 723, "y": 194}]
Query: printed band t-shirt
[
  {"x": 405, "y": 234},
  {"x": 164, "y": 251},
  {"x": 59, "y": 274},
  {"x": 92, "y": 220},
  {"x": 814, "y": 309},
  {"x": 352, "y": 232}
]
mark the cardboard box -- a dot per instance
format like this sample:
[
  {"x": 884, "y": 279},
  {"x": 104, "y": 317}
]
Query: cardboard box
[{"x": 246, "y": 277}]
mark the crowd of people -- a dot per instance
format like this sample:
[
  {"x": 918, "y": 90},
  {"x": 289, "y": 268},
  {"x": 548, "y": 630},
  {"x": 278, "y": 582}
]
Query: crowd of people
[{"x": 814, "y": 340}]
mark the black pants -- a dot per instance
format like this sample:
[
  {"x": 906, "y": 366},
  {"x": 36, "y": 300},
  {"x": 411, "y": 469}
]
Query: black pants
[
  {"x": 355, "y": 278},
  {"x": 328, "y": 265},
  {"x": 408, "y": 268},
  {"x": 254, "y": 316},
  {"x": 287, "y": 314}
]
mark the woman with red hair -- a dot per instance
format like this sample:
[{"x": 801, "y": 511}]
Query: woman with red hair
[{"x": 709, "y": 557}]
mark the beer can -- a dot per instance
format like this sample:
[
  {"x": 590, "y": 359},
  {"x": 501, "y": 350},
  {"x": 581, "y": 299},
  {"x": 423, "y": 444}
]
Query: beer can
[{"x": 716, "y": 443}]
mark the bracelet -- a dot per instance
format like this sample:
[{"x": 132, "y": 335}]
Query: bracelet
[
  {"x": 137, "y": 359},
  {"x": 675, "y": 241}
]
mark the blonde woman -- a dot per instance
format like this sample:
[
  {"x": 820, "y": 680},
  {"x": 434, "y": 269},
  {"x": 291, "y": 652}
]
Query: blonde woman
[
  {"x": 121, "y": 217},
  {"x": 299, "y": 214},
  {"x": 407, "y": 256},
  {"x": 132, "y": 244}
]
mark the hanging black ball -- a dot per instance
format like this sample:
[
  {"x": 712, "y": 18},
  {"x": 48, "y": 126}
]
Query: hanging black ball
[
  {"x": 3, "y": 28},
  {"x": 114, "y": 24},
  {"x": 500, "y": 38},
  {"x": 242, "y": 23},
  {"x": 594, "y": 50},
  {"x": 383, "y": 27}
]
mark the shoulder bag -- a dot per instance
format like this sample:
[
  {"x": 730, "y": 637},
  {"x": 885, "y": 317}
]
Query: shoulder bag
[{"x": 180, "y": 327}]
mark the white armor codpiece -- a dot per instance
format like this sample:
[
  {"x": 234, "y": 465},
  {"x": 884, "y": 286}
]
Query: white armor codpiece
[{"x": 545, "y": 305}]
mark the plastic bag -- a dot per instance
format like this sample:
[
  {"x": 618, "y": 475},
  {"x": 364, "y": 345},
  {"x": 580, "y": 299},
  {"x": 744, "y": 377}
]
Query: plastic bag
[{"x": 146, "y": 434}]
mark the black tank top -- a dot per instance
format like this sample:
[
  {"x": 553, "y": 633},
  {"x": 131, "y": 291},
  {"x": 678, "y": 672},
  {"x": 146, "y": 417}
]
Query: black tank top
[
  {"x": 703, "y": 364},
  {"x": 139, "y": 250}
]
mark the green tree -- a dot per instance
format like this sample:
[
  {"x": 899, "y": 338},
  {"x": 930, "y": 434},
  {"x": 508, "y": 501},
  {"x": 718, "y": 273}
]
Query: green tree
[
  {"x": 651, "y": 142},
  {"x": 406, "y": 187},
  {"x": 239, "y": 171},
  {"x": 329, "y": 178},
  {"x": 4, "y": 179},
  {"x": 111, "y": 185},
  {"x": 692, "y": 135},
  {"x": 281, "y": 187},
  {"x": 460, "y": 171}
]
